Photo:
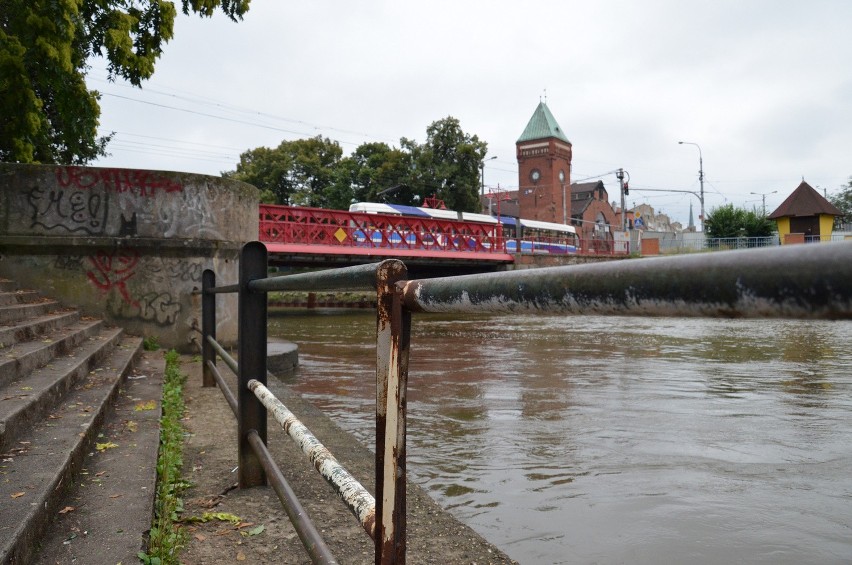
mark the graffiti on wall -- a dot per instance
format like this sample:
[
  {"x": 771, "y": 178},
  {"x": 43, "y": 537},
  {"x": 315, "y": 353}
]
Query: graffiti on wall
[
  {"x": 80, "y": 200},
  {"x": 112, "y": 269},
  {"x": 72, "y": 210},
  {"x": 117, "y": 181},
  {"x": 160, "y": 308},
  {"x": 143, "y": 288}
]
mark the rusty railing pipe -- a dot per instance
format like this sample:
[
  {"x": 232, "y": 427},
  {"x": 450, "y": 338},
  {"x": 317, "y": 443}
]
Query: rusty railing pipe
[
  {"x": 229, "y": 361},
  {"x": 208, "y": 326},
  {"x": 359, "y": 277},
  {"x": 359, "y": 501},
  {"x": 393, "y": 328},
  {"x": 251, "y": 338},
  {"x": 795, "y": 281},
  {"x": 305, "y": 529},
  {"x": 223, "y": 386}
]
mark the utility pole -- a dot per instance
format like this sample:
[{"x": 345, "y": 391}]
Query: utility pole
[
  {"x": 623, "y": 190},
  {"x": 700, "y": 178},
  {"x": 763, "y": 195}
]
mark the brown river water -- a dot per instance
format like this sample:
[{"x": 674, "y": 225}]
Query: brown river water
[{"x": 587, "y": 439}]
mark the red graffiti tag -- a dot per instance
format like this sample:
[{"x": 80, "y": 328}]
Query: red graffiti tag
[
  {"x": 140, "y": 183},
  {"x": 112, "y": 269}
]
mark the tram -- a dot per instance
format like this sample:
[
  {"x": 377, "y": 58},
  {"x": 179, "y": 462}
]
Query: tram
[{"x": 518, "y": 234}]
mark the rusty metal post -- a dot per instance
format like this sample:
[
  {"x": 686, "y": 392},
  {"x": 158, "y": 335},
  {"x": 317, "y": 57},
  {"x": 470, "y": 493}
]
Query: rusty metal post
[
  {"x": 252, "y": 362},
  {"x": 208, "y": 326},
  {"x": 393, "y": 329}
]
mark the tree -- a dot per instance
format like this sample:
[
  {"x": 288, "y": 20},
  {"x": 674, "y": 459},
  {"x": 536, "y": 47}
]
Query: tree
[
  {"x": 311, "y": 172},
  {"x": 727, "y": 221},
  {"x": 447, "y": 165},
  {"x": 297, "y": 172},
  {"x": 49, "y": 115},
  {"x": 843, "y": 201},
  {"x": 374, "y": 172}
]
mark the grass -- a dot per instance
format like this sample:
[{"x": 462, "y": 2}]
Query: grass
[
  {"x": 167, "y": 537},
  {"x": 151, "y": 343}
]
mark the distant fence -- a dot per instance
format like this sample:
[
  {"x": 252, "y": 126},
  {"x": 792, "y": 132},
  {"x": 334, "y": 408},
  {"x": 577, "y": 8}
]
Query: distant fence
[
  {"x": 673, "y": 245},
  {"x": 797, "y": 281}
]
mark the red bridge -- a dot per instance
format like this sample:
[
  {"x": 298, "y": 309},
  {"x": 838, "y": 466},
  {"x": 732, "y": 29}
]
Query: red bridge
[{"x": 308, "y": 236}]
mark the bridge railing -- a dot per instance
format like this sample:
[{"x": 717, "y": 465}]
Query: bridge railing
[
  {"x": 337, "y": 228},
  {"x": 804, "y": 281},
  {"x": 318, "y": 226}
]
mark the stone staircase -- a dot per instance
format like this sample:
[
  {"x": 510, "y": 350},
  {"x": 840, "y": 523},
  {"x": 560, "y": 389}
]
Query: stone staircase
[{"x": 79, "y": 412}]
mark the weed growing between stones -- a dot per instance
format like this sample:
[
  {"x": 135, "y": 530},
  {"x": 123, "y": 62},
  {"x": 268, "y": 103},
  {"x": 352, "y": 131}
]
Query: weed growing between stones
[{"x": 167, "y": 537}]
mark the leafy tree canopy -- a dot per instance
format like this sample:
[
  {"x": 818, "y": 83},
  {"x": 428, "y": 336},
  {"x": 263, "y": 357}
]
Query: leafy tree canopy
[
  {"x": 447, "y": 165},
  {"x": 311, "y": 172},
  {"x": 727, "y": 221},
  {"x": 843, "y": 200},
  {"x": 49, "y": 115},
  {"x": 298, "y": 172}
]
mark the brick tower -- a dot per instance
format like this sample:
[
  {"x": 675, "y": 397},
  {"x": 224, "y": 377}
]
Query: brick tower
[{"x": 544, "y": 169}]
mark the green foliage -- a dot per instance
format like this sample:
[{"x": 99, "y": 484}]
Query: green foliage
[
  {"x": 166, "y": 536},
  {"x": 371, "y": 169},
  {"x": 843, "y": 200},
  {"x": 312, "y": 172},
  {"x": 447, "y": 165},
  {"x": 49, "y": 115},
  {"x": 296, "y": 172},
  {"x": 151, "y": 343},
  {"x": 727, "y": 221}
]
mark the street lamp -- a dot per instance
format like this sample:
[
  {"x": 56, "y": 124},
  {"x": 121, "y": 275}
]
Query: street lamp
[
  {"x": 482, "y": 174},
  {"x": 764, "y": 195},
  {"x": 700, "y": 177}
]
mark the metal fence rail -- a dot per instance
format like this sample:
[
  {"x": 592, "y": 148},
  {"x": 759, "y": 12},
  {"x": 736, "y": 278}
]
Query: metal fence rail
[
  {"x": 793, "y": 282},
  {"x": 803, "y": 281},
  {"x": 383, "y": 517}
]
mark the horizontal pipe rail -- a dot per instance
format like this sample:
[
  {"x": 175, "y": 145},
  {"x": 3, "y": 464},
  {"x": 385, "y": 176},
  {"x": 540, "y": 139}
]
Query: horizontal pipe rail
[
  {"x": 359, "y": 501},
  {"x": 223, "y": 386},
  {"x": 222, "y": 289},
  {"x": 359, "y": 277},
  {"x": 229, "y": 361},
  {"x": 801, "y": 281},
  {"x": 305, "y": 529}
]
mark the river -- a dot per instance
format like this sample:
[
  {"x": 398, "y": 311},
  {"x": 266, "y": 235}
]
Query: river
[{"x": 587, "y": 439}]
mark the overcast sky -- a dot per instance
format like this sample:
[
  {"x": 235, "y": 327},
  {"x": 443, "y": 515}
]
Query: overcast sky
[{"x": 764, "y": 87}]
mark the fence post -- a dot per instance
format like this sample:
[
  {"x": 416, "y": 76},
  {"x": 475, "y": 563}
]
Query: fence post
[
  {"x": 393, "y": 330},
  {"x": 251, "y": 362},
  {"x": 208, "y": 326}
]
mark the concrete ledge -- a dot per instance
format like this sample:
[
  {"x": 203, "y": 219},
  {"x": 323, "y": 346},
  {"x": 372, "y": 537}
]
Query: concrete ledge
[{"x": 281, "y": 356}]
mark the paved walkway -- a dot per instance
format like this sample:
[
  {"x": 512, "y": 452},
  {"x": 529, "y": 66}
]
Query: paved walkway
[{"x": 210, "y": 456}]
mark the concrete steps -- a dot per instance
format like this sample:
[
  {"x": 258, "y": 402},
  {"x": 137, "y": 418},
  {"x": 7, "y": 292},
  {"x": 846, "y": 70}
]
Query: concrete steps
[{"x": 61, "y": 376}]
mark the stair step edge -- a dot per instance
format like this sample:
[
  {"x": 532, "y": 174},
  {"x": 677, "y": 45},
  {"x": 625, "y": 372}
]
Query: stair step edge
[
  {"x": 51, "y": 456},
  {"x": 23, "y": 358},
  {"x": 25, "y": 402}
]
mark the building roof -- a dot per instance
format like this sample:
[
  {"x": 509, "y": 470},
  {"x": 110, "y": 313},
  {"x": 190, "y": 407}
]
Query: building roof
[
  {"x": 580, "y": 203},
  {"x": 542, "y": 125},
  {"x": 804, "y": 201}
]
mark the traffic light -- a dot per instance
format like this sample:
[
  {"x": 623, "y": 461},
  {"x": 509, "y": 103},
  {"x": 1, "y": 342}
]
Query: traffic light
[{"x": 626, "y": 191}]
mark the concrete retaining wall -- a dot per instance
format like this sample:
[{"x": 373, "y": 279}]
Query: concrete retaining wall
[{"x": 129, "y": 245}]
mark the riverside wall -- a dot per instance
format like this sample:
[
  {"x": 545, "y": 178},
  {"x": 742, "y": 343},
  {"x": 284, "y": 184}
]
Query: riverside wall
[{"x": 125, "y": 244}]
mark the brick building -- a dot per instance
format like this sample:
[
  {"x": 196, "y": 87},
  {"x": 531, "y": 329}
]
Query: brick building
[{"x": 545, "y": 192}]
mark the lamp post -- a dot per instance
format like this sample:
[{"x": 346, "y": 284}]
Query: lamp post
[
  {"x": 700, "y": 177},
  {"x": 763, "y": 195},
  {"x": 482, "y": 174}
]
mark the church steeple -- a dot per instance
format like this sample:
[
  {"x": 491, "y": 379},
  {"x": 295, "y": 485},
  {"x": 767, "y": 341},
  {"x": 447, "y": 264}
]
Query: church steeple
[{"x": 544, "y": 169}]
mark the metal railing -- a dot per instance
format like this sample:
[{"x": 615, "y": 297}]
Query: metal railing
[
  {"x": 808, "y": 282},
  {"x": 382, "y": 517}
]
